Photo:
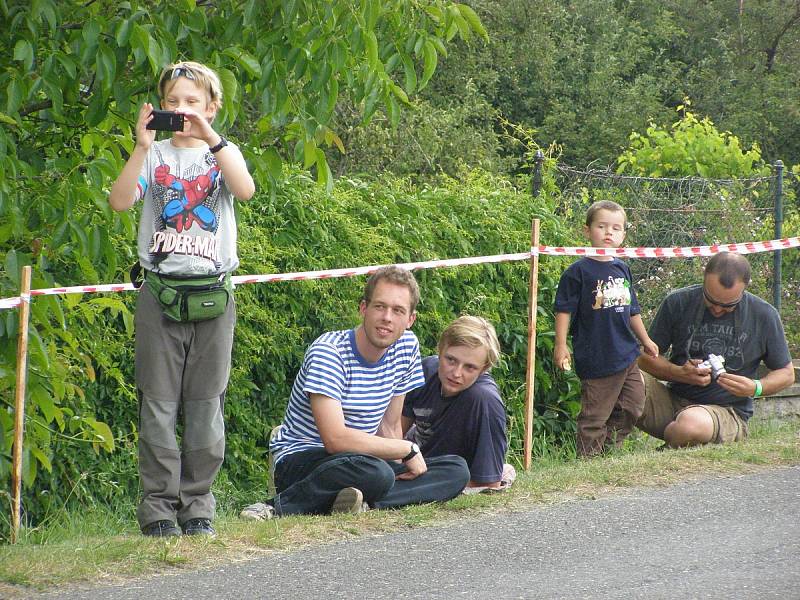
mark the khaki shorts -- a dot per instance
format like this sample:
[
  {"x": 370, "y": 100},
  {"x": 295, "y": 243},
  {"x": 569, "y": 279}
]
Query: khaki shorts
[{"x": 662, "y": 406}]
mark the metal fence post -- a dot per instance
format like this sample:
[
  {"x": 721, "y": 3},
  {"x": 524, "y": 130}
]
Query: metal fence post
[
  {"x": 536, "y": 182},
  {"x": 776, "y": 284}
]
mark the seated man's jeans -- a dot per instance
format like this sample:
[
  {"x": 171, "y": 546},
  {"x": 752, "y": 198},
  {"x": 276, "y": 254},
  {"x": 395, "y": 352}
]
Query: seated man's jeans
[{"x": 308, "y": 481}]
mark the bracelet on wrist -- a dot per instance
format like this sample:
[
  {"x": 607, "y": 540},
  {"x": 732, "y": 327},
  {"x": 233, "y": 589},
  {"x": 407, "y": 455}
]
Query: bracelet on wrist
[
  {"x": 759, "y": 389},
  {"x": 220, "y": 145}
]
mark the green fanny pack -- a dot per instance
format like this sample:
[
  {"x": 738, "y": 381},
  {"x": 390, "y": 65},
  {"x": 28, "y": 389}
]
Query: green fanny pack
[{"x": 187, "y": 300}]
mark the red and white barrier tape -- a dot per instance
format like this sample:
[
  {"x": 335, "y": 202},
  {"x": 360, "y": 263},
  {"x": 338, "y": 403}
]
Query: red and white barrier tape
[{"x": 685, "y": 252}]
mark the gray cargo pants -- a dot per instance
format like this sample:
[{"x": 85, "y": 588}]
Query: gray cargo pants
[{"x": 180, "y": 367}]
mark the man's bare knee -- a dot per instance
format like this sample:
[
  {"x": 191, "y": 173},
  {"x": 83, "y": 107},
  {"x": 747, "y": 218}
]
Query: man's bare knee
[{"x": 693, "y": 426}]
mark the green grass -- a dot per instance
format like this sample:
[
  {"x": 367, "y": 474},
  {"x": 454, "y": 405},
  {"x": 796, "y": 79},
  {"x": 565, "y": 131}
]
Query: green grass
[{"x": 103, "y": 546}]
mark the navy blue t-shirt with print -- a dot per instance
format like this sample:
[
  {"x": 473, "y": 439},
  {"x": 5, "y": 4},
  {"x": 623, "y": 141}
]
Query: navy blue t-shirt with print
[
  {"x": 601, "y": 300},
  {"x": 471, "y": 424}
]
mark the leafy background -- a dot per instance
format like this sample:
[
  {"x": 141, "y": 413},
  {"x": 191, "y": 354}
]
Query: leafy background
[{"x": 377, "y": 132}]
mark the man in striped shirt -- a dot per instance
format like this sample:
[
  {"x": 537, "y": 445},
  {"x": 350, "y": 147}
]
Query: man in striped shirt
[{"x": 340, "y": 447}]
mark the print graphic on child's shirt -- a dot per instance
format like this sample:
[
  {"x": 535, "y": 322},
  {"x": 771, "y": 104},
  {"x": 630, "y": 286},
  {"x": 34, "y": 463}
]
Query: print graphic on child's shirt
[{"x": 614, "y": 292}]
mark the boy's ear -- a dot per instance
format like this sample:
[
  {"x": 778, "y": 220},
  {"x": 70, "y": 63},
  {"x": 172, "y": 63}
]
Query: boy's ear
[{"x": 213, "y": 109}]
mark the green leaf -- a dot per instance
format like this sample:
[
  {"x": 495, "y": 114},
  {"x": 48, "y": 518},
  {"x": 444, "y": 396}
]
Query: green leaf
[
  {"x": 23, "y": 52},
  {"x": 123, "y": 34},
  {"x": 333, "y": 96},
  {"x": 410, "y": 74},
  {"x": 102, "y": 435},
  {"x": 393, "y": 110},
  {"x": 42, "y": 399},
  {"x": 42, "y": 458},
  {"x": 371, "y": 43},
  {"x": 398, "y": 92},
  {"x": 324, "y": 175},
  {"x": 230, "y": 89},
  {"x": 114, "y": 304},
  {"x": 69, "y": 64},
  {"x": 106, "y": 66},
  {"x": 37, "y": 348},
  {"x": 430, "y": 60},
  {"x": 90, "y": 32},
  {"x": 250, "y": 64},
  {"x": 274, "y": 163},
  {"x": 309, "y": 153},
  {"x": 12, "y": 267},
  {"x": 28, "y": 467},
  {"x": 474, "y": 21},
  {"x": 14, "y": 96}
]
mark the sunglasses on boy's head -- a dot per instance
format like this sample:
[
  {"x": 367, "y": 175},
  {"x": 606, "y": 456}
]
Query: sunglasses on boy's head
[
  {"x": 710, "y": 300},
  {"x": 177, "y": 72}
]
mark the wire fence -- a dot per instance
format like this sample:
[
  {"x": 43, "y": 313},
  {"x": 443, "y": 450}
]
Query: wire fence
[{"x": 671, "y": 212}]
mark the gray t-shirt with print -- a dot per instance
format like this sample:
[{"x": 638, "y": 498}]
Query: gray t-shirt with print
[
  {"x": 188, "y": 225},
  {"x": 751, "y": 333}
]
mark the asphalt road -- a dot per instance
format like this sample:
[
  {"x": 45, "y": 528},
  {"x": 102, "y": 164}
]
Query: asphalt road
[{"x": 736, "y": 537}]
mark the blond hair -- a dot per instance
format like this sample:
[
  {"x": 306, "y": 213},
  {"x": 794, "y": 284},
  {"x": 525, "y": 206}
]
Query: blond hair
[
  {"x": 472, "y": 332},
  {"x": 203, "y": 76}
]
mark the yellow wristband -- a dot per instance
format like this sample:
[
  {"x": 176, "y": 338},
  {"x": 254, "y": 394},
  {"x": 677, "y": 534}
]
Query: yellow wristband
[{"x": 758, "y": 388}]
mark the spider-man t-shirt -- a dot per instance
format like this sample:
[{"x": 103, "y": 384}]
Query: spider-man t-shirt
[{"x": 187, "y": 225}]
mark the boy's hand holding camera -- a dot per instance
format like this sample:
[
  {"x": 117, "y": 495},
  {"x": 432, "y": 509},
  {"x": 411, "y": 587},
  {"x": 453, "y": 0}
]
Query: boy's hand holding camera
[
  {"x": 152, "y": 120},
  {"x": 144, "y": 136}
]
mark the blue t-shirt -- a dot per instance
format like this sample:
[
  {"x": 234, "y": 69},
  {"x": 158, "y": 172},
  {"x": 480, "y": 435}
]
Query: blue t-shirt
[
  {"x": 750, "y": 334},
  {"x": 471, "y": 424},
  {"x": 601, "y": 300},
  {"x": 334, "y": 367}
]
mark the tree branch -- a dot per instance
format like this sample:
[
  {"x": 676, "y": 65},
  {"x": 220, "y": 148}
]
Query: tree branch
[{"x": 772, "y": 49}]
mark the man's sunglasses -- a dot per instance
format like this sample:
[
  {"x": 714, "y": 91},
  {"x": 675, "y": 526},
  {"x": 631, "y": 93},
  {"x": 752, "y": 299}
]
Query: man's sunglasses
[{"x": 721, "y": 304}]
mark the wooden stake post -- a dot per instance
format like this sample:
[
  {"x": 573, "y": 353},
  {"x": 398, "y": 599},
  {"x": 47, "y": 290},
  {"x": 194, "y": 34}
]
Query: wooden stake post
[
  {"x": 531, "y": 365},
  {"x": 19, "y": 404}
]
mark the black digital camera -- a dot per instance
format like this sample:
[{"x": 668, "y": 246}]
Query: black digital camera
[{"x": 166, "y": 120}]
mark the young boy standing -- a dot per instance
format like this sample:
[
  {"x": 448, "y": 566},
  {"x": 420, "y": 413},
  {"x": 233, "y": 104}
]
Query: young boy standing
[
  {"x": 185, "y": 311},
  {"x": 596, "y": 303}
]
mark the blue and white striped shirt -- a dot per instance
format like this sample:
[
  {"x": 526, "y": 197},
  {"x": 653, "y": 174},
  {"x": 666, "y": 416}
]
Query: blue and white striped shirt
[{"x": 333, "y": 367}]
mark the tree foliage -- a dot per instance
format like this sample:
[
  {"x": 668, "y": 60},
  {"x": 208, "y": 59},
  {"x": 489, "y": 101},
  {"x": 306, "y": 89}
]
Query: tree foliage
[
  {"x": 73, "y": 75},
  {"x": 583, "y": 75},
  {"x": 690, "y": 147}
]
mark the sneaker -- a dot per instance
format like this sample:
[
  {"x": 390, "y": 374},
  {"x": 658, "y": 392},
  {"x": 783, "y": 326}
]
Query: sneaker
[
  {"x": 198, "y": 527},
  {"x": 349, "y": 500},
  {"x": 163, "y": 528},
  {"x": 258, "y": 512},
  {"x": 509, "y": 475}
]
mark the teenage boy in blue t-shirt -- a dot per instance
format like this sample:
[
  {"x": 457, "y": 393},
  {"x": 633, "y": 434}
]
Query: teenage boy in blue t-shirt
[
  {"x": 596, "y": 303},
  {"x": 459, "y": 409}
]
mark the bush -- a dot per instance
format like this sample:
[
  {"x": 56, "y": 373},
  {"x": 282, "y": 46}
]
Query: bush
[{"x": 302, "y": 229}]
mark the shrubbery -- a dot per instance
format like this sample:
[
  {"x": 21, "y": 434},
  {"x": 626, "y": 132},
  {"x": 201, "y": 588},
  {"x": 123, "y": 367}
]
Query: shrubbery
[{"x": 305, "y": 228}]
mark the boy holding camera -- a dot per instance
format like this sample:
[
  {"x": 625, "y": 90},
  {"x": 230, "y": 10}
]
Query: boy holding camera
[
  {"x": 596, "y": 304},
  {"x": 185, "y": 311}
]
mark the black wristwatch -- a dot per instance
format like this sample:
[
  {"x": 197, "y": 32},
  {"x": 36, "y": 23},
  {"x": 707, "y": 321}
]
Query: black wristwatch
[
  {"x": 412, "y": 454},
  {"x": 222, "y": 143}
]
